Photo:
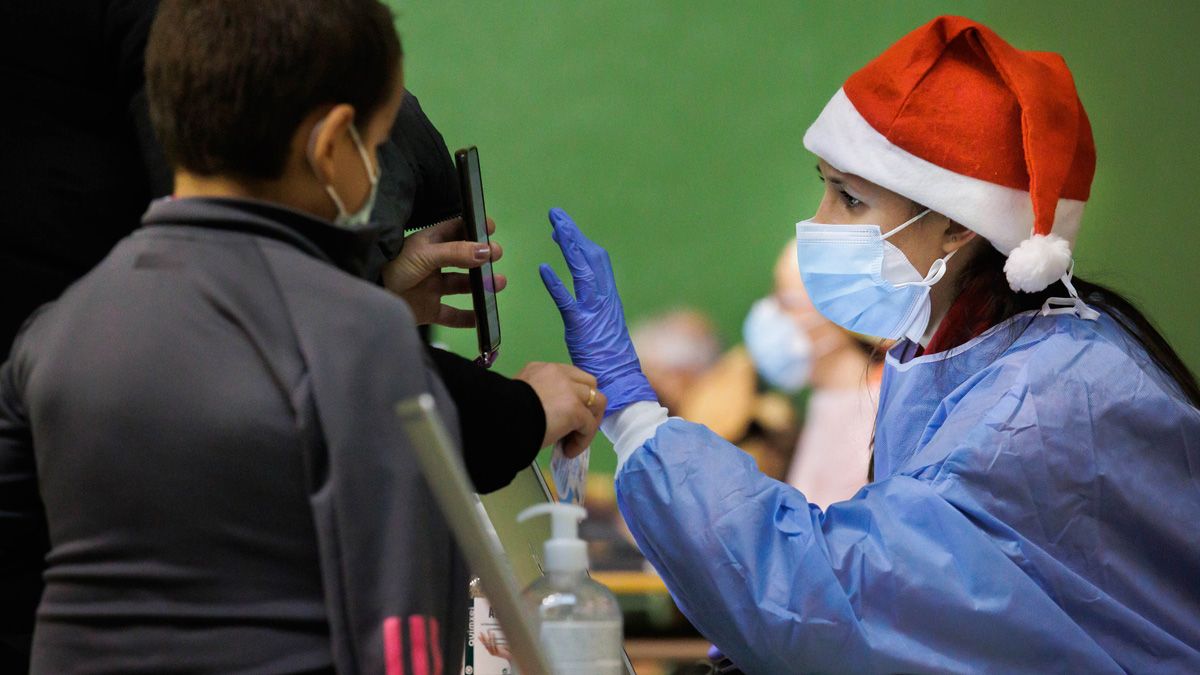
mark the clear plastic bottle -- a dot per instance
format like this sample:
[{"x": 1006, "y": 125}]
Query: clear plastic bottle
[{"x": 579, "y": 622}]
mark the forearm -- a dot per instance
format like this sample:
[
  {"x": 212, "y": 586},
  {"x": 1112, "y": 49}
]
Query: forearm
[
  {"x": 781, "y": 586},
  {"x": 502, "y": 420}
]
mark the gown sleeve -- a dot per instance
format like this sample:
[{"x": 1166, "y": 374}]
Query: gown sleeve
[{"x": 896, "y": 579}]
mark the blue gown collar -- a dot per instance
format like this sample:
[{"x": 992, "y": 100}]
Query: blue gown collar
[
  {"x": 901, "y": 356},
  {"x": 918, "y": 391}
]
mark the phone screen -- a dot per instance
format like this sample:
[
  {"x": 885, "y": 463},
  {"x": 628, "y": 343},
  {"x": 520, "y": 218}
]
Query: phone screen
[{"x": 475, "y": 218}]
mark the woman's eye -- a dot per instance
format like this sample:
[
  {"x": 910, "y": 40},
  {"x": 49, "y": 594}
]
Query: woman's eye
[{"x": 850, "y": 201}]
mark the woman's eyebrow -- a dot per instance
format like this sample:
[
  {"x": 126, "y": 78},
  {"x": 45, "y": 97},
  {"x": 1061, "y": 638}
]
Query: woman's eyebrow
[{"x": 821, "y": 174}]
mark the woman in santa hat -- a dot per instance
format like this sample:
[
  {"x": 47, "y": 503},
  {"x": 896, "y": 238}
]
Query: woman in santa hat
[{"x": 1036, "y": 494}]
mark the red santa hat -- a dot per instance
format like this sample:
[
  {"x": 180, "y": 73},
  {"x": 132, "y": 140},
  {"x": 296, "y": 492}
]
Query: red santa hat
[{"x": 995, "y": 138}]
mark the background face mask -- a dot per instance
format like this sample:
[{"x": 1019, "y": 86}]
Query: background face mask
[
  {"x": 863, "y": 283},
  {"x": 779, "y": 345},
  {"x": 781, "y": 351}
]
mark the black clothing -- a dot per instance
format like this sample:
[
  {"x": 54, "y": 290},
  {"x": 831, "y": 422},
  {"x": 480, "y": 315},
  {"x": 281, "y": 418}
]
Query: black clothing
[
  {"x": 501, "y": 420},
  {"x": 79, "y": 148},
  {"x": 76, "y": 139},
  {"x": 420, "y": 185},
  {"x": 208, "y": 418}
]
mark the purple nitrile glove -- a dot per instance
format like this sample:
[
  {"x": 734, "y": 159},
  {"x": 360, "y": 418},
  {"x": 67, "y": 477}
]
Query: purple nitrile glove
[{"x": 596, "y": 336}]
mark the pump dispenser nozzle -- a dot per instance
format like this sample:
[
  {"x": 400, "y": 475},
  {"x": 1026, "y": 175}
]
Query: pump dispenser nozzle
[{"x": 564, "y": 550}]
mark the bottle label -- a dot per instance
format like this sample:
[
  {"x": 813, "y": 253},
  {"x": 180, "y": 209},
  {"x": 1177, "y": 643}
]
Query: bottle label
[
  {"x": 487, "y": 649},
  {"x": 583, "y": 647}
]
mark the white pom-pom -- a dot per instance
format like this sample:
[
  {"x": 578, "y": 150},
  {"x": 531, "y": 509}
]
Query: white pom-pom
[{"x": 1037, "y": 262}]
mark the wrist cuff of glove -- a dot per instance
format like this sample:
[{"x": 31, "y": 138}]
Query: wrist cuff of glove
[{"x": 624, "y": 392}]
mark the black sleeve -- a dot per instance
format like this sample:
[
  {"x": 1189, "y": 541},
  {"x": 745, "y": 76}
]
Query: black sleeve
[{"x": 502, "y": 420}]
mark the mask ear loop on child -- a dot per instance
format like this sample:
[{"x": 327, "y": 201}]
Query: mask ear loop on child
[{"x": 1072, "y": 305}]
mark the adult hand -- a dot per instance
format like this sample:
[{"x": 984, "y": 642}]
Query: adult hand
[
  {"x": 416, "y": 274},
  {"x": 596, "y": 336},
  {"x": 573, "y": 405}
]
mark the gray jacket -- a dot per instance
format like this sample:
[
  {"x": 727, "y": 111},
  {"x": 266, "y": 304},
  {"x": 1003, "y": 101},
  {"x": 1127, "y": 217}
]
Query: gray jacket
[{"x": 208, "y": 419}]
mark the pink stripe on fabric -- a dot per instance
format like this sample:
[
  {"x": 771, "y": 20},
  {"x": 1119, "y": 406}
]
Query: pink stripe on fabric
[
  {"x": 393, "y": 651},
  {"x": 436, "y": 643},
  {"x": 419, "y": 645}
]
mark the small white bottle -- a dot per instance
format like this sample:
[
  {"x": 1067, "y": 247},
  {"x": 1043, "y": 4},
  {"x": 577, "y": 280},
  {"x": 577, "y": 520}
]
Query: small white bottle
[
  {"x": 486, "y": 650},
  {"x": 579, "y": 622}
]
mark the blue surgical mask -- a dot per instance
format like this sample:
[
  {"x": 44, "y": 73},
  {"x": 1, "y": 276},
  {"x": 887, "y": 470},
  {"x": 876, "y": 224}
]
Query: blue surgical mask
[
  {"x": 362, "y": 217},
  {"x": 781, "y": 350},
  {"x": 860, "y": 281},
  {"x": 779, "y": 345}
]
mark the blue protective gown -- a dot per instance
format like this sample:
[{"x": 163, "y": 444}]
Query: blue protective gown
[{"x": 1036, "y": 508}]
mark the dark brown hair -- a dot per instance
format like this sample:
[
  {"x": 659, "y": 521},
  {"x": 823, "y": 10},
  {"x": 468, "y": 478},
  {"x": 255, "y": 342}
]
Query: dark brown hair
[
  {"x": 230, "y": 80},
  {"x": 983, "y": 278}
]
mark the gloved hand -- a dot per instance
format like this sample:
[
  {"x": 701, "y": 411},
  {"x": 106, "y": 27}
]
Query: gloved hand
[{"x": 597, "y": 338}]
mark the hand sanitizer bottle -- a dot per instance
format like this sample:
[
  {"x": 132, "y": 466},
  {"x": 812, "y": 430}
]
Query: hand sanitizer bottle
[{"x": 579, "y": 622}]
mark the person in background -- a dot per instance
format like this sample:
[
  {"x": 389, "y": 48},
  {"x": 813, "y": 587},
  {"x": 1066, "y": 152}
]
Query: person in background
[
  {"x": 677, "y": 349},
  {"x": 1034, "y": 495},
  {"x": 198, "y": 443},
  {"x": 681, "y": 356},
  {"x": 80, "y": 162},
  {"x": 796, "y": 348}
]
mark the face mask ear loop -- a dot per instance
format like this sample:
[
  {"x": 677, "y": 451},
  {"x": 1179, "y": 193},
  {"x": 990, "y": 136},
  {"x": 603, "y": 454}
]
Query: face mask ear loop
[
  {"x": 362, "y": 152},
  {"x": 337, "y": 202},
  {"x": 936, "y": 271},
  {"x": 312, "y": 143},
  {"x": 939, "y": 266},
  {"x": 908, "y": 222}
]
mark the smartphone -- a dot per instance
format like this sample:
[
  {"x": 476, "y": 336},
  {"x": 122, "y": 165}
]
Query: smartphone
[{"x": 483, "y": 284}]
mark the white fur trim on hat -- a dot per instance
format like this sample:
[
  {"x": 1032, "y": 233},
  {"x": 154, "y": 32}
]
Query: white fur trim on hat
[
  {"x": 1037, "y": 262},
  {"x": 1002, "y": 215}
]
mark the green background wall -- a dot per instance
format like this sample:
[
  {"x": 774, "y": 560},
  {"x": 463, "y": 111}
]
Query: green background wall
[{"x": 672, "y": 132}]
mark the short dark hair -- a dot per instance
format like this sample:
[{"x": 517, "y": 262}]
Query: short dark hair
[{"x": 229, "y": 81}]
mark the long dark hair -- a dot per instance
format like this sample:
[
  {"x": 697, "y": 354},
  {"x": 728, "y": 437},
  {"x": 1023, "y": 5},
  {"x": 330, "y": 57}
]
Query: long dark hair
[{"x": 983, "y": 280}]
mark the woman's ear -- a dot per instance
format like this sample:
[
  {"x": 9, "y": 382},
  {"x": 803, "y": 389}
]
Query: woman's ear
[
  {"x": 321, "y": 143},
  {"x": 955, "y": 237}
]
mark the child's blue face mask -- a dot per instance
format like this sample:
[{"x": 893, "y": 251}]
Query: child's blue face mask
[{"x": 862, "y": 282}]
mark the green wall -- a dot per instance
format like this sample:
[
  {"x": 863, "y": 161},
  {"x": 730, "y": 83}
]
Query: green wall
[{"x": 672, "y": 132}]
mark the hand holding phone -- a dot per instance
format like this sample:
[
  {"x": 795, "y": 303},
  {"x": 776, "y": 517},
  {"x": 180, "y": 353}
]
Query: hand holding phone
[
  {"x": 419, "y": 273},
  {"x": 483, "y": 283}
]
